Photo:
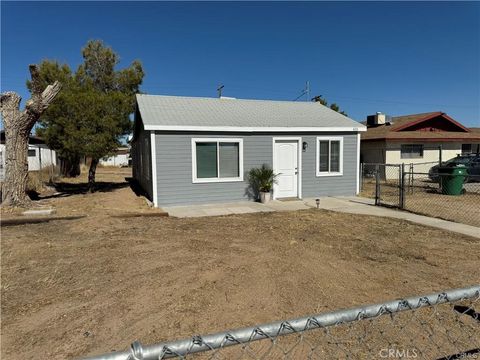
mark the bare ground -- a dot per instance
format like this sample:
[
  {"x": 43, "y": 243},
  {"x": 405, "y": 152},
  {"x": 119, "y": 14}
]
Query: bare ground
[{"x": 95, "y": 284}]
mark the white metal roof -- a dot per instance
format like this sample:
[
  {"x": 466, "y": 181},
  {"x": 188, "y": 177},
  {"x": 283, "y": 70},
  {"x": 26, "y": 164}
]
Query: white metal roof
[{"x": 160, "y": 112}]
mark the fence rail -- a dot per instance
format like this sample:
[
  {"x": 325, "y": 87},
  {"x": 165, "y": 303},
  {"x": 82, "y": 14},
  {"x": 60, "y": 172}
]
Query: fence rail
[
  {"x": 458, "y": 323},
  {"x": 405, "y": 187}
]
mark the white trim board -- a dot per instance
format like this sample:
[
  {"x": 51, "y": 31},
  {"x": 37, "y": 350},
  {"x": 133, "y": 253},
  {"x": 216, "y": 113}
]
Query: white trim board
[
  {"x": 299, "y": 160},
  {"x": 153, "y": 159},
  {"x": 358, "y": 164},
  {"x": 253, "y": 129}
]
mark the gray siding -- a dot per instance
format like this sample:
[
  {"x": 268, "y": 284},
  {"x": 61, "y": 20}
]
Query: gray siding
[
  {"x": 174, "y": 168},
  {"x": 313, "y": 186},
  {"x": 141, "y": 160}
]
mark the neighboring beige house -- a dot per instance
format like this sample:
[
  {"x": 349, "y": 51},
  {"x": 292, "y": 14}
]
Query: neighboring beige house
[
  {"x": 120, "y": 158},
  {"x": 417, "y": 139}
]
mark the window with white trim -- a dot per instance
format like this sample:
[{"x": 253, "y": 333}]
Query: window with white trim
[
  {"x": 217, "y": 160},
  {"x": 411, "y": 151},
  {"x": 329, "y": 156}
]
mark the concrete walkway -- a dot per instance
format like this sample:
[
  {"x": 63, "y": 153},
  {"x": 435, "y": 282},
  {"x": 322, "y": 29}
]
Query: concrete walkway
[{"x": 352, "y": 205}]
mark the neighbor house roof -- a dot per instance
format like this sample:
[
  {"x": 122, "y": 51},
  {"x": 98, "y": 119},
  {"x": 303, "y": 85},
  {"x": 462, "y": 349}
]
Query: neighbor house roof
[
  {"x": 32, "y": 139},
  {"x": 398, "y": 129},
  {"x": 220, "y": 114}
]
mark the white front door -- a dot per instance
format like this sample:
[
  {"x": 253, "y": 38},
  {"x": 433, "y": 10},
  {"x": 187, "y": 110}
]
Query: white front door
[{"x": 286, "y": 166}]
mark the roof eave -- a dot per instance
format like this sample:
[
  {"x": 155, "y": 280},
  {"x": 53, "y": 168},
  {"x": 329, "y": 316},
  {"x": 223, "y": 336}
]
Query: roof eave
[
  {"x": 360, "y": 128},
  {"x": 448, "y": 139}
]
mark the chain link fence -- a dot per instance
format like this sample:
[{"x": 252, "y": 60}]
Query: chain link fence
[
  {"x": 443, "y": 325},
  {"x": 382, "y": 182},
  {"x": 423, "y": 195},
  {"x": 406, "y": 187}
]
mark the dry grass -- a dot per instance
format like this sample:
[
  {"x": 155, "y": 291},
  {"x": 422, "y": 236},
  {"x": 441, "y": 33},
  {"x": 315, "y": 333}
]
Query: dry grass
[{"x": 91, "y": 285}]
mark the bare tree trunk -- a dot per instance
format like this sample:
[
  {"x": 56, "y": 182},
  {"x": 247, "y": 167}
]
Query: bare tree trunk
[
  {"x": 70, "y": 167},
  {"x": 16, "y": 174},
  {"x": 91, "y": 175},
  {"x": 18, "y": 125}
]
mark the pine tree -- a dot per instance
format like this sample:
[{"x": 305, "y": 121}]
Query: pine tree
[{"x": 94, "y": 109}]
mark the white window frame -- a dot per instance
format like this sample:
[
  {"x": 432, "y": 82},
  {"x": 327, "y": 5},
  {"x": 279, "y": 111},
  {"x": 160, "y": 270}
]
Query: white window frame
[
  {"x": 329, "y": 173},
  {"x": 218, "y": 179}
]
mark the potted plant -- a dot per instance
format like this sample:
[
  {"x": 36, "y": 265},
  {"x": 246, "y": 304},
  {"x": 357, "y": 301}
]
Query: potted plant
[{"x": 262, "y": 180}]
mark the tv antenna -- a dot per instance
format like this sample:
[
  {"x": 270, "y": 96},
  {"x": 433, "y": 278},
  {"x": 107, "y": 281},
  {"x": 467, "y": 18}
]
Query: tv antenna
[
  {"x": 219, "y": 89},
  {"x": 305, "y": 91}
]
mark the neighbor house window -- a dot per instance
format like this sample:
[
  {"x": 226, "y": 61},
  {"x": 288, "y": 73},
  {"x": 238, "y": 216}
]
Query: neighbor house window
[
  {"x": 32, "y": 152},
  {"x": 411, "y": 151},
  {"x": 329, "y": 156},
  {"x": 217, "y": 160},
  {"x": 466, "y": 148}
]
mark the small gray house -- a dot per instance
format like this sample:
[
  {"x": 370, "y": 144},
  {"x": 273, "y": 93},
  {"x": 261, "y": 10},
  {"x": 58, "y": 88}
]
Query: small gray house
[{"x": 189, "y": 150}]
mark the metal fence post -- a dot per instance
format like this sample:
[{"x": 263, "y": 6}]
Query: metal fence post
[
  {"x": 377, "y": 184},
  {"x": 361, "y": 176},
  {"x": 402, "y": 186},
  {"x": 439, "y": 166}
]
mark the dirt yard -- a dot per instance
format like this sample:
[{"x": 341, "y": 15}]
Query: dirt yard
[{"x": 95, "y": 284}]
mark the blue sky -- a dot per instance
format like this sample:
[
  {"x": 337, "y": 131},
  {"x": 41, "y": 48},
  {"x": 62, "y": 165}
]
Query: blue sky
[{"x": 398, "y": 58}]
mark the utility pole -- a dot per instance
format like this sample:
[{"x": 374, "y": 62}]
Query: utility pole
[{"x": 219, "y": 89}]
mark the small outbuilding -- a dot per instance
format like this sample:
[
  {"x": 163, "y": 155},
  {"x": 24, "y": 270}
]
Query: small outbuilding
[
  {"x": 189, "y": 150},
  {"x": 120, "y": 158},
  {"x": 39, "y": 154}
]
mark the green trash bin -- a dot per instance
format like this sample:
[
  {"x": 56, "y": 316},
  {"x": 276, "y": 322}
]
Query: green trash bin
[{"x": 452, "y": 179}]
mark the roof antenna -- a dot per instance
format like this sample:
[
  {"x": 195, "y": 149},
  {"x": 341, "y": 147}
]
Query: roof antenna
[
  {"x": 305, "y": 91},
  {"x": 219, "y": 89}
]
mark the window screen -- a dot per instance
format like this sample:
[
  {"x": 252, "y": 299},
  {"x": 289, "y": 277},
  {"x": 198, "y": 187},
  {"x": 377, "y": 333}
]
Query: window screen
[
  {"x": 32, "y": 152},
  {"x": 335, "y": 156},
  {"x": 324, "y": 155},
  {"x": 229, "y": 160},
  {"x": 466, "y": 148},
  {"x": 206, "y": 160},
  {"x": 411, "y": 151}
]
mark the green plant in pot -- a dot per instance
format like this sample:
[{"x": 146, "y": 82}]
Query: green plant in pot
[{"x": 262, "y": 180}]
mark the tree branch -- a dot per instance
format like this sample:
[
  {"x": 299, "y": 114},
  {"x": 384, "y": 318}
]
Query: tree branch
[
  {"x": 40, "y": 100},
  {"x": 36, "y": 83},
  {"x": 50, "y": 92}
]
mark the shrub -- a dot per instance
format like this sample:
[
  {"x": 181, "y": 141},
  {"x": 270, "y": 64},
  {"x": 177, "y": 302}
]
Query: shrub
[{"x": 262, "y": 179}]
